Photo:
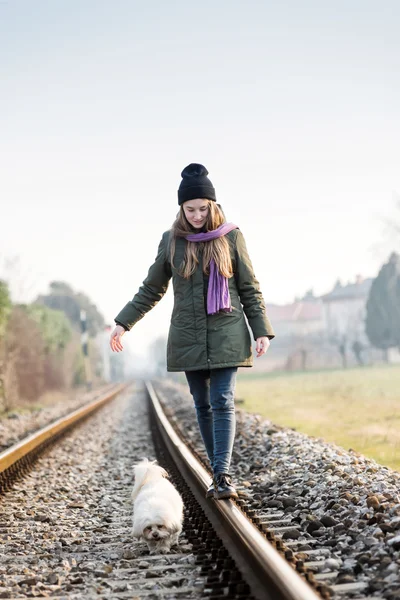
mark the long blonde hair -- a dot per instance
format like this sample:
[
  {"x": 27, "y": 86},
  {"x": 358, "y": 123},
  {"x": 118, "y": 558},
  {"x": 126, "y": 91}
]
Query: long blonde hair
[{"x": 217, "y": 249}]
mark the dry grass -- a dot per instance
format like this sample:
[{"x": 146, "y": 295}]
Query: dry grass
[
  {"x": 48, "y": 399},
  {"x": 355, "y": 408}
]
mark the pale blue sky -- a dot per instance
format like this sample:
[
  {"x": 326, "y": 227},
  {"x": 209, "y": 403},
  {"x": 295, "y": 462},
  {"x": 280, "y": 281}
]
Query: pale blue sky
[{"x": 292, "y": 107}]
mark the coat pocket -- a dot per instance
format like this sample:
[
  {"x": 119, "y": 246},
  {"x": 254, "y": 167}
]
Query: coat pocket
[{"x": 224, "y": 319}]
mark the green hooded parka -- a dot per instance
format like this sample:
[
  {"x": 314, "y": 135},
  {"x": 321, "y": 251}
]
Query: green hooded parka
[{"x": 197, "y": 340}]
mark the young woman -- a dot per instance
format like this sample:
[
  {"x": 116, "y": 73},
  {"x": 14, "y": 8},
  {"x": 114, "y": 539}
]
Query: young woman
[{"x": 214, "y": 286}]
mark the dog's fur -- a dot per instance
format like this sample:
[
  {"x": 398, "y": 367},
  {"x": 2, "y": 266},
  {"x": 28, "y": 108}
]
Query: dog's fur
[{"x": 157, "y": 507}]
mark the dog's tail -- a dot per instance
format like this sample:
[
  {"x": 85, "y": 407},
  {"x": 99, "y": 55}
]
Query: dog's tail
[{"x": 144, "y": 471}]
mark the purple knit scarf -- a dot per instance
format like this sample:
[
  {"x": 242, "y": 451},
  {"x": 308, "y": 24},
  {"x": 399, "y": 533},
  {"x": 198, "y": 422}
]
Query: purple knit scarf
[{"x": 218, "y": 297}]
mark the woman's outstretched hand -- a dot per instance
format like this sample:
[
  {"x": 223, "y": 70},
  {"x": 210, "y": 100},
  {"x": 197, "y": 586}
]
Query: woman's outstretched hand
[
  {"x": 262, "y": 345},
  {"x": 115, "y": 339}
]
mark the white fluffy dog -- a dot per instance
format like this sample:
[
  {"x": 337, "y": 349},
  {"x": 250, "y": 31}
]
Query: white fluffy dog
[{"x": 157, "y": 507}]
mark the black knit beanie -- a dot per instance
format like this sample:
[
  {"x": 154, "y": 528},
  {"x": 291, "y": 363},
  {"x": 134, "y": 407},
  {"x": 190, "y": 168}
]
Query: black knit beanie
[{"x": 195, "y": 184}]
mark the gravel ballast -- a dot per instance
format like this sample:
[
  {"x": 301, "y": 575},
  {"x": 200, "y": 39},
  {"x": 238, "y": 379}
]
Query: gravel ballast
[
  {"x": 19, "y": 423},
  {"x": 65, "y": 529},
  {"x": 341, "y": 509}
]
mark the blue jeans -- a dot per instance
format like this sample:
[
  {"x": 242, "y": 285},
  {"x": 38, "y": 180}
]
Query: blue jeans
[{"x": 213, "y": 393}]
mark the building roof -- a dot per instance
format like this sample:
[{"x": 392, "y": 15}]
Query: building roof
[
  {"x": 359, "y": 289},
  {"x": 297, "y": 311}
]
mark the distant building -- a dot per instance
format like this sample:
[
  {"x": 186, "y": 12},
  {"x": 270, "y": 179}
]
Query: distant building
[
  {"x": 301, "y": 318},
  {"x": 299, "y": 326},
  {"x": 344, "y": 311},
  {"x": 325, "y": 331}
]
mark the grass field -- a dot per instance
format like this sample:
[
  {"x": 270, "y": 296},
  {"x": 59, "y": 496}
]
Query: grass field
[{"x": 355, "y": 408}]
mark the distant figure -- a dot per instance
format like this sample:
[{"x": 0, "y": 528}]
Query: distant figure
[
  {"x": 214, "y": 285},
  {"x": 343, "y": 353},
  {"x": 304, "y": 355},
  {"x": 357, "y": 348}
]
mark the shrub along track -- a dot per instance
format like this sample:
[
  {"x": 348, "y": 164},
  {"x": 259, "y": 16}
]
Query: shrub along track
[{"x": 65, "y": 521}]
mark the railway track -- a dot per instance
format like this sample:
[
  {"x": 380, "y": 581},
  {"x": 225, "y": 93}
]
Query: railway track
[
  {"x": 19, "y": 456},
  {"x": 65, "y": 519},
  {"x": 269, "y": 575},
  {"x": 66, "y": 515},
  {"x": 335, "y": 515}
]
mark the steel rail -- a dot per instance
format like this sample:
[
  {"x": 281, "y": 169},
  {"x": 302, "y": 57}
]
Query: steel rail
[
  {"x": 270, "y": 575},
  {"x": 11, "y": 456}
]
